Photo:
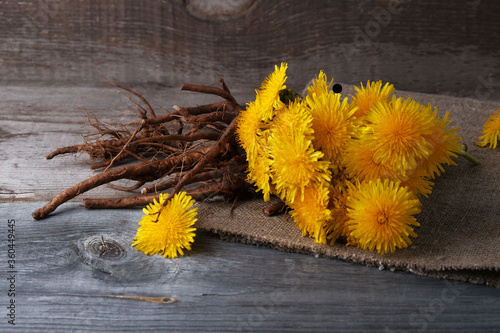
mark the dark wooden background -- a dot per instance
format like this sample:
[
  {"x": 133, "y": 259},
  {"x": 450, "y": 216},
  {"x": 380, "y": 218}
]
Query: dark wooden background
[
  {"x": 51, "y": 56},
  {"x": 434, "y": 46}
]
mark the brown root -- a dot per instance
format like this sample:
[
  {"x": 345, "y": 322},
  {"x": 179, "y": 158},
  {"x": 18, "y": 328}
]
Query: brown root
[
  {"x": 275, "y": 209},
  {"x": 215, "y": 187},
  {"x": 189, "y": 145},
  {"x": 142, "y": 172}
]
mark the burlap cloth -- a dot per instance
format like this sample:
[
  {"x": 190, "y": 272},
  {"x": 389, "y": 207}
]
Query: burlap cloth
[{"x": 459, "y": 236}]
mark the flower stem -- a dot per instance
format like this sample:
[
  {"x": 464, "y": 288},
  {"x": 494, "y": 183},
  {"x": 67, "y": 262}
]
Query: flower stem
[{"x": 467, "y": 156}]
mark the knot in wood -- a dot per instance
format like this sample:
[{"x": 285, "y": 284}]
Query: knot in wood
[
  {"x": 105, "y": 248},
  {"x": 219, "y": 10}
]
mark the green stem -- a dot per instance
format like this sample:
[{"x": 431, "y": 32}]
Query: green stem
[{"x": 467, "y": 156}]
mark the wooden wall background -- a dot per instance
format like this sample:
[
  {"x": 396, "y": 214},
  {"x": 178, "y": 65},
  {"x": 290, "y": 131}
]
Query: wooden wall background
[{"x": 433, "y": 46}]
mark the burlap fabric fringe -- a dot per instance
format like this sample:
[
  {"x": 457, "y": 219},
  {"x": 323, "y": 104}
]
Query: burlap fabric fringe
[{"x": 459, "y": 236}]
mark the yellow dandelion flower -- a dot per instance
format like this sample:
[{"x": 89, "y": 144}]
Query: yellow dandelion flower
[
  {"x": 445, "y": 144},
  {"x": 333, "y": 123},
  {"x": 366, "y": 97},
  {"x": 172, "y": 232},
  {"x": 312, "y": 213},
  {"x": 396, "y": 133},
  {"x": 337, "y": 226},
  {"x": 381, "y": 215},
  {"x": 260, "y": 173},
  {"x": 294, "y": 118},
  {"x": 491, "y": 131},
  {"x": 359, "y": 163},
  {"x": 269, "y": 95},
  {"x": 295, "y": 163},
  {"x": 253, "y": 119},
  {"x": 417, "y": 181},
  {"x": 319, "y": 86},
  {"x": 249, "y": 127}
]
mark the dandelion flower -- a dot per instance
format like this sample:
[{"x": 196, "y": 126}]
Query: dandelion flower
[
  {"x": 320, "y": 85},
  {"x": 295, "y": 162},
  {"x": 172, "y": 232},
  {"x": 491, "y": 131},
  {"x": 445, "y": 144},
  {"x": 381, "y": 215},
  {"x": 366, "y": 97},
  {"x": 249, "y": 127},
  {"x": 293, "y": 118},
  {"x": 359, "y": 163},
  {"x": 417, "y": 181},
  {"x": 396, "y": 133},
  {"x": 312, "y": 213},
  {"x": 337, "y": 226},
  {"x": 269, "y": 95},
  {"x": 333, "y": 124},
  {"x": 260, "y": 173}
]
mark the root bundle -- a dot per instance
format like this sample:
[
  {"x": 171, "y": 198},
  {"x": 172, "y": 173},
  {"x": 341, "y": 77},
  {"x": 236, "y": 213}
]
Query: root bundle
[{"x": 188, "y": 146}]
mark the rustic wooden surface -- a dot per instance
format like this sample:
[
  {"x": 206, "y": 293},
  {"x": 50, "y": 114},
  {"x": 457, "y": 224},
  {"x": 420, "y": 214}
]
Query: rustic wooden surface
[
  {"x": 51, "y": 56},
  {"x": 65, "y": 283}
]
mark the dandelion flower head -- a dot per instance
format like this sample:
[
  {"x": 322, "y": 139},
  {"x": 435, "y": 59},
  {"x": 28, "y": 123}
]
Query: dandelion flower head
[
  {"x": 381, "y": 215},
  {"x": 396, "y": 133},
  {"x": 260, "y": 173},
  {"x": 268, "y": 97},
  {"x": 295, "y": 162},
  {"x": 311, "y": 214},
  {"x": 359, "y": 163},
  {"x": 491, "y": 131},
  {"x": 319, "y": 85},
  {"x": 445, "y": 144},
  {"x": 417, "y": 181},
  {"x": 249, "y": 131},
  {"x": 333, "y": 123},
  {"x": 173, "y": 230},
  {"x": 337, "y": 226},
  {"x": 365, "y": 97},
  {"x": 294, "y": 118}
]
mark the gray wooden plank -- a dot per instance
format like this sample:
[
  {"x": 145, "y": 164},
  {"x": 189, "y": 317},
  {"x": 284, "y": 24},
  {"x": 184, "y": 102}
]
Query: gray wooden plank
[{"x": 222, "y": 287}]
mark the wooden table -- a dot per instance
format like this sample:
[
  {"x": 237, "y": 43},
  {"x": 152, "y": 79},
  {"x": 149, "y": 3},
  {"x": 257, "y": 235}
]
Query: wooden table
[{"x": 64, "y": 280}]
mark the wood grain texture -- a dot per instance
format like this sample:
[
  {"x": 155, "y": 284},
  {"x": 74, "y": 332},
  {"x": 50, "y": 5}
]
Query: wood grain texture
[
  {"x": 433, "y": 46},
  {"x": 65, "y": 284}
]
